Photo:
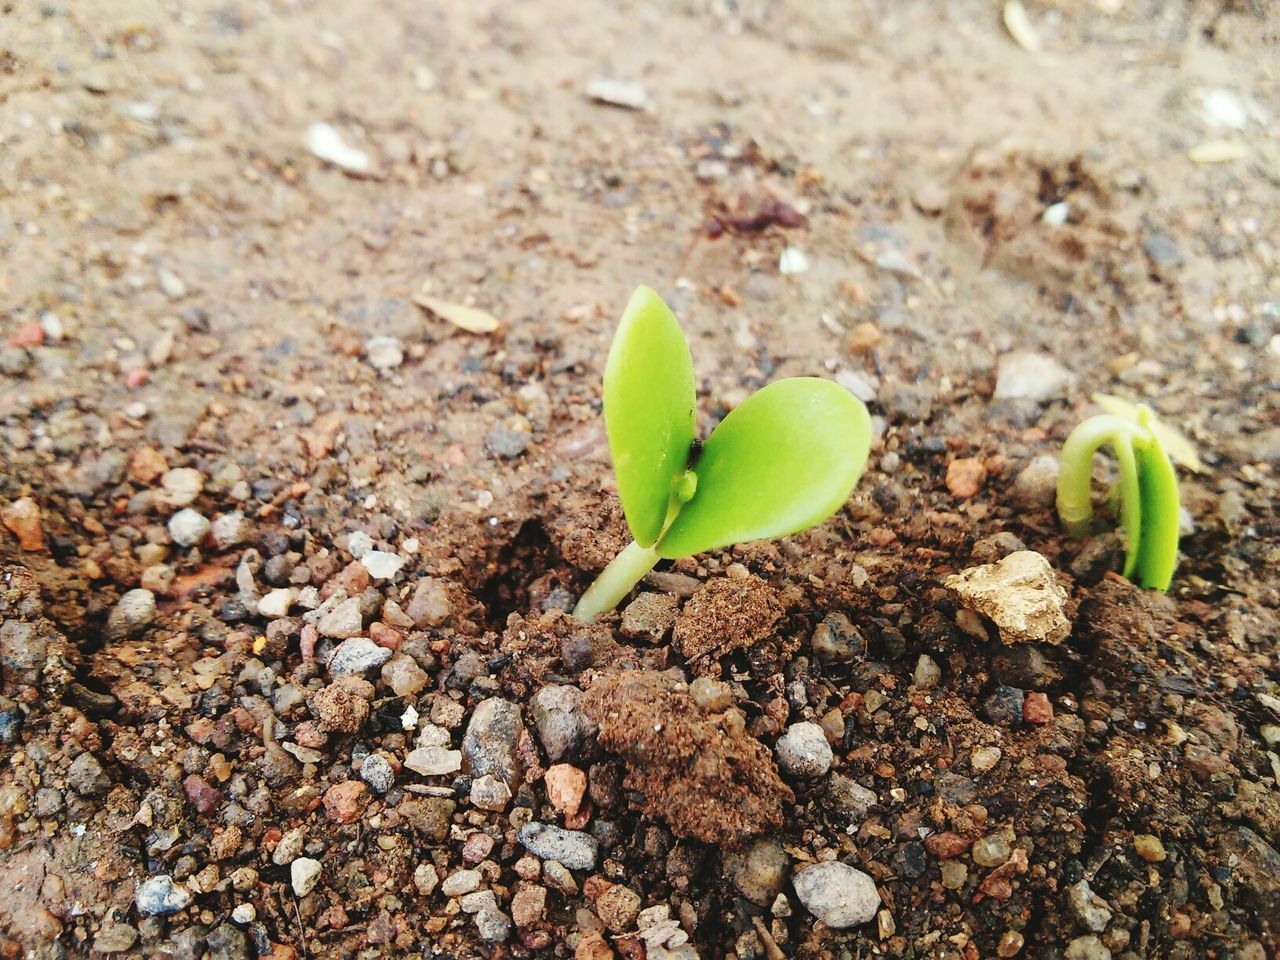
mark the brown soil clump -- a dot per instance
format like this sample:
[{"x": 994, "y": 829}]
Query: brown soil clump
[
  {"x": 725, "y": 615},
  {"x": 700, "y": 772}
]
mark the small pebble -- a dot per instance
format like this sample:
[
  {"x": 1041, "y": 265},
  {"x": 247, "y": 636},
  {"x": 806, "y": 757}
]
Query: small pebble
[
  {"x": 573, "y": 849},
  {"x": 343, "y": 802},
  {"x": 425, "y": 879},
  {"x": 991, "y": 851},
  {"x": 965, "y": 477},
  {"x": 1004, "y": 706},
  {"x": 135, "y": 611},
  {"x": 461, "y": 883},
  {"x": 342, "y": 706},
  {"x": 434, "y": 761},
  {"x": 803, "y": 751},
  {"x": 1087, "y": 948},
  {"x": 565, "y": 785},
  {"x": 384, "y": 353},
  {"x": 529, "y": 907},
  {"x": 984, "y": 759},
  {"x": 618, "y": 908},
  {"x": 357, "y": 656},
  {"x": 927, "y": 673},
  {"x": 182, "y": 485},
  {"x": 793, "y": 261},
  {"x": 277, "y": 602},
  {"x": 490, "y": 793},
  {"x": 1037, "y": 483},
  {"x": 893, "y": 260},
  {"x": 86, "y": 776},
  {"x": 505, "y": 443},
  {"x": 23, "y": 519},
  {"x": 850, "y": 799},
  {"x": 954, "y": 874},
  {"x": 494, "y": 926},
  {"x": 159, "y": 896},
  {"x": 618, "y": 93},
  {"x": 489, "y": 745},
  {"x": 930, "y": 197},
  {"x": 1036, "y": 708},
  {"x": 1162, "y": 250},
  {"x": 1032, "y": 376},
  {"x": 377, "y": 772},
  {"x": 836, "y": 640},
  {"x": 760, "y": 871},
  {"x": 171, "y": 285},
  {"x": 478, "y": 900},
  {"x": 562, "y": 726},
  {"x": 1010, "y": 945},
  {"x": 1020, "y": 593},
  {"x": 382, "y": 565},
  {"x": 650, "y": 615},
  {"x": 430, "y": 605},
  {"x": 405, "y": 678},
  {"x": 327, "y": 143},
  {"x": 710, "y": 695},
  {"x": 187, "y": 527},
  {"x": 304, "y": 874},
  {"x": 837, "y": 894},
  {"x": 1087, "y": 907},
  {"x": 289, "y": 848},
  {"x": 345, "y": 621},
  {"x": 1149, "y": 847},
  {"x": 115, "y": 938},
  {"x": 230, "y": 530}
]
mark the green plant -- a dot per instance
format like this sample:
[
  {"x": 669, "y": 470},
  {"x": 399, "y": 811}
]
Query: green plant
[
  {"x": 782, "y": 461},
  {"x": 1145, "y": 494}
]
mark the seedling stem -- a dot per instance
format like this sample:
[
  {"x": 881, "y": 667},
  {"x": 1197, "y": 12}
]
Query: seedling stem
[
  {"x": 616, "y": 580},
  {"x": 1145, "y": 492}
]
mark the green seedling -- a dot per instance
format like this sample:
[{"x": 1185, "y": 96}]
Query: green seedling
[
  {"x": 782, "y": 461},
  {"x": 1145, "y": 494}
]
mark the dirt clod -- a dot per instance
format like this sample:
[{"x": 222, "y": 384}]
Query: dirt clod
[
  {"x": 343, "y": 706},
  {"x": 703, "y": 776},
  {"x": 727, "y": 614}
]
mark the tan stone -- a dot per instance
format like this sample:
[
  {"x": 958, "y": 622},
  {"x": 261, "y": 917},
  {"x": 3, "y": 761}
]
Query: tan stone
[{"x": 1020, "y": 595}]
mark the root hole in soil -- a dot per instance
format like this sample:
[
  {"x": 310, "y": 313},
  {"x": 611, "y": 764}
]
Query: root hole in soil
[{"x": 527, "y": 575}]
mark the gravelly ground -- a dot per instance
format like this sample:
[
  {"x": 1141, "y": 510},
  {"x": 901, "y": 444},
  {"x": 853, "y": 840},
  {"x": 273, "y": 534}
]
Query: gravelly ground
[{"x": 205, "y": 322}]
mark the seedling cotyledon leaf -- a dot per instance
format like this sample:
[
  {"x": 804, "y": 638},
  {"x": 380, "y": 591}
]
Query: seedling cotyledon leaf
[{"x": 784, "y": 460}]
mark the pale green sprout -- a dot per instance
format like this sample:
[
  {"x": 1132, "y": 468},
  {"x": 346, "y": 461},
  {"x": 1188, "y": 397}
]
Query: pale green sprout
[
  {"x": 782, "y": 461},
  {"x": 1146, "y": 489}
]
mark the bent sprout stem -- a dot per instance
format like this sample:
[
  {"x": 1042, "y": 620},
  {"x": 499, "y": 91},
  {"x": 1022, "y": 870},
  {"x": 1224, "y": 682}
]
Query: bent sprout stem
[
  {"x": 1075, "y": 478},
  {"x": 1146, "y": 488}
]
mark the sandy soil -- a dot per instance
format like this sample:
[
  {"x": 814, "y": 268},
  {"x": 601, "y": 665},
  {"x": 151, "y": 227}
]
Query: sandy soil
[{"x": 199, "y": 313}]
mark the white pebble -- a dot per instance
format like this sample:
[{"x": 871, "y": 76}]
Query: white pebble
[
  {"x": 381, "y": 565},
  {"x": 793, "y": 261},
  {"x": 276, "y": 604},
  {"x": 384, "y": 353},
  {"x": 326, "y": 143},
  {"x": 187, "y": 527},
  {"x": 304, "y": 874},
  {"x": 803, "y": 751},
  {"x": 837, "y": 894},
  {"x": 618, "y": 93}
]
